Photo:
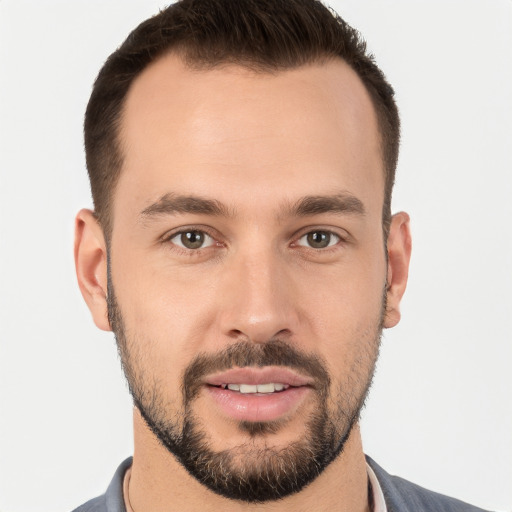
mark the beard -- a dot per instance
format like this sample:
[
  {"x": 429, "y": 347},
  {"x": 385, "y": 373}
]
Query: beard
[{"x": 252, "y": 472}]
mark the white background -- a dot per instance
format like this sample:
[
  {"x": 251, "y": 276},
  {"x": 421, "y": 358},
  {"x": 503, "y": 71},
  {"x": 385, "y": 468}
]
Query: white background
[{"x": 440, "y": 412}]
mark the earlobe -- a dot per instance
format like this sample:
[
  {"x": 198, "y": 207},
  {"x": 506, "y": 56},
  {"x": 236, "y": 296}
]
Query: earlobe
[
  {"x": 399, "y": 255},
  {"x": 91, "y": 266}
]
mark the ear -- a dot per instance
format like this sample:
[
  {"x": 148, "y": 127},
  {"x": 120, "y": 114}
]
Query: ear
[
  {"x": 399, "y": 255},
  {"x": 91, "y": 266}
]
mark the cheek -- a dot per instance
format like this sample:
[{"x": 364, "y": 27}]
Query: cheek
[
  {"x": 346, "y": 314},
  {"x": 347, "y": 297},
  {"x": 166, "y": 312},
  {"x": 351, "y": 346}
]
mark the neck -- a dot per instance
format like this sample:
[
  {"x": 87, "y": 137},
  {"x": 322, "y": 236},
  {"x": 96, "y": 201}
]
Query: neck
[{"x": 158, "y": 482}]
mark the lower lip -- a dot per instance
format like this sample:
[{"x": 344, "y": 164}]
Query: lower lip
[{"x": 258, "y": 407}]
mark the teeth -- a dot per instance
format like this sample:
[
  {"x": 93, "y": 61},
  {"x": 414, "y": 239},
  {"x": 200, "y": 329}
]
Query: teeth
[
  {"x": 256, "y": 388},
  {"x": 266, "y": 388},
  {"x": 248, "y": 388}
]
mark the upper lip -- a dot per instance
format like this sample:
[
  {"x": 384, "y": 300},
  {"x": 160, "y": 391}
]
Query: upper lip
[{"x": 254, "y": 375}]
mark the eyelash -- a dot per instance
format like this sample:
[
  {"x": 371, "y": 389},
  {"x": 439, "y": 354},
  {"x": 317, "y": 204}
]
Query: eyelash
[
  {"x": 327, "y": 232},
  {"x": 168, "y": 239}
]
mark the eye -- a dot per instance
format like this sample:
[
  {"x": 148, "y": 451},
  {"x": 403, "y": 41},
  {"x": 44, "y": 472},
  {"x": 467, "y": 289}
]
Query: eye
[
  {"x": 192, "y": 239},
  {"x": 318, "y": 239}
]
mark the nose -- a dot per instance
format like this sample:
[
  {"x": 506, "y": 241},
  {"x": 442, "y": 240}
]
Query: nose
[{"x": 259, "y": 299}]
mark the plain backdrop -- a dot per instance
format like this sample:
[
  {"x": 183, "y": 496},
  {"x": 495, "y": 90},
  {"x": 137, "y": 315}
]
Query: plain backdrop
[{"x": 440, "y": 412}]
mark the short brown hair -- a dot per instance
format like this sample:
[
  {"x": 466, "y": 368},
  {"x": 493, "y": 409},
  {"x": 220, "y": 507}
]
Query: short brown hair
[{"x": 264, "y": 35}]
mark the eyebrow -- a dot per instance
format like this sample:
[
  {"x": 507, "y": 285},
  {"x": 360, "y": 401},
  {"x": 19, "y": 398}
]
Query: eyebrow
[
  {"x": 343, "y": 203},
  {"x": 172, "y": 204}
]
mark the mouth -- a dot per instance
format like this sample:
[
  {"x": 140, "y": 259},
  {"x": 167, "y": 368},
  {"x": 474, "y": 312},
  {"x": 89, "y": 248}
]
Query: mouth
[
  {"x": 260, "y": 389},
  {"x": 258, "y": 394}
]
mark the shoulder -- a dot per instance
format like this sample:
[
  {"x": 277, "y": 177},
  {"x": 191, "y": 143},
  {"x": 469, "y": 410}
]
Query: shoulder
[
  {"x": 98, "y": 504},
  {"x": 402, "y": 495},
  {"x": 112, "y": 500}
]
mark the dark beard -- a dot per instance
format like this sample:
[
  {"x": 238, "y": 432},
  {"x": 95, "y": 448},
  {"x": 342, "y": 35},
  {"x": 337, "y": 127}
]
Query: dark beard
[
  {"x": 248, "y": 473},
  {"x": 270, "y": 474}
]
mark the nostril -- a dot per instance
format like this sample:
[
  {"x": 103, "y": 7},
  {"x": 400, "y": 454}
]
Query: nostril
[
  {"x": 283, "y": 333},
  {"x": 238, "y": 335}
]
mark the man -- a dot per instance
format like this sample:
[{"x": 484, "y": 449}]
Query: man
[{"x": 242, "y": 249}]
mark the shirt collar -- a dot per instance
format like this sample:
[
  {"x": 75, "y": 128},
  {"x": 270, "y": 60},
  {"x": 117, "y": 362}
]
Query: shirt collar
[{"x": 379, "y": 504}]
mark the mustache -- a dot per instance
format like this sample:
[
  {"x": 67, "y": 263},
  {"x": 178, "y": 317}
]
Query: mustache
[{"x": 275, "y": 352}]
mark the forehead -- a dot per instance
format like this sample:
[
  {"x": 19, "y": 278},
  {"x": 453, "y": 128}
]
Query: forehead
[{"x": 233, "y": 133}]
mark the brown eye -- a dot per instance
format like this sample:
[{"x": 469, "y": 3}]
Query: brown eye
[
  {"x": 319, "y": 239},
  {"x": 192, "y": 239}
]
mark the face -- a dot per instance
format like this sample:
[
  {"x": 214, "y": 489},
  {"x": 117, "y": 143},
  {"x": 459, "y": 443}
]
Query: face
[{"x": 248, "y": 271}]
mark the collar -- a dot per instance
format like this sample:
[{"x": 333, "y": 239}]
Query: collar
[{"x": 379, "y": 504}]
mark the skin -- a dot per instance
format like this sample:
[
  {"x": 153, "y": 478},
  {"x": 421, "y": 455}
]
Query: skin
[{"x": 257, "y": 143}]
